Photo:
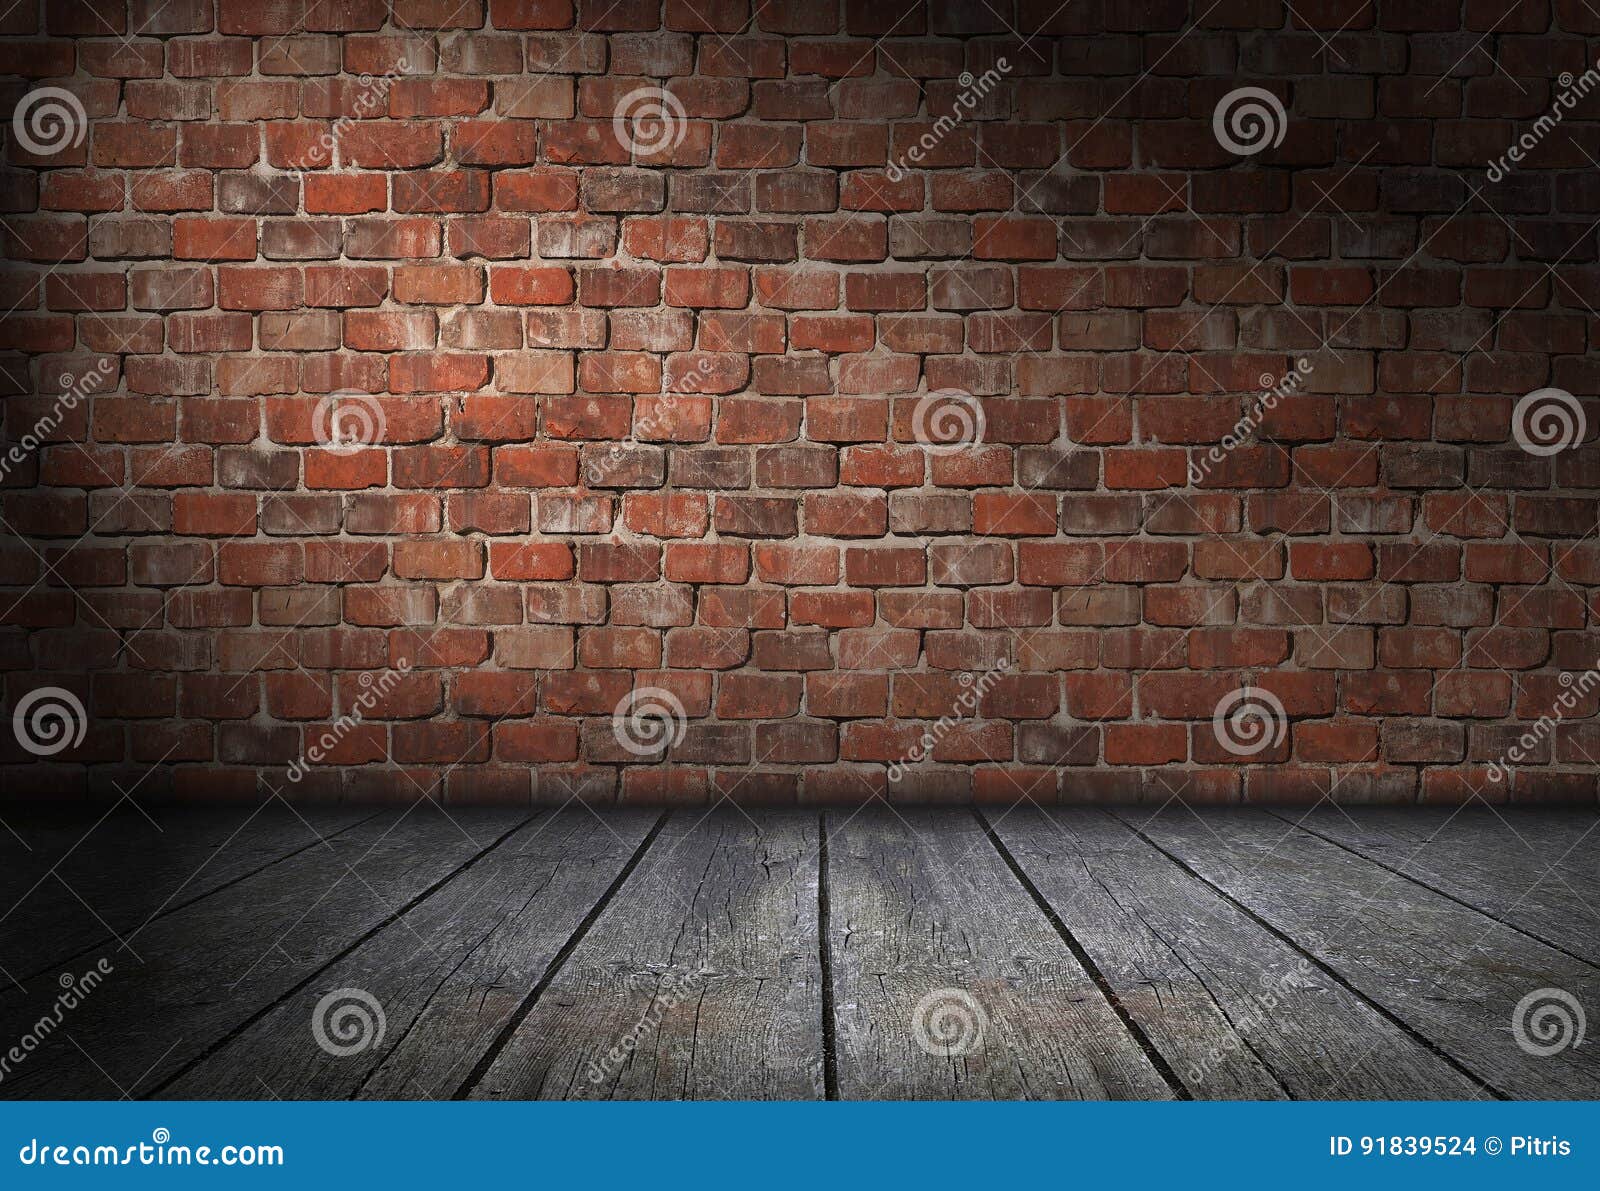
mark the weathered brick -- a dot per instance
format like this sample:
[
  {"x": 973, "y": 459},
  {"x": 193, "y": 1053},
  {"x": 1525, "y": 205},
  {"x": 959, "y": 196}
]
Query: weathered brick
[{"x": 634, "y": 415}]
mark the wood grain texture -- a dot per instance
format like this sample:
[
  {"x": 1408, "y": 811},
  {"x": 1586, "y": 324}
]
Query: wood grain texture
[
  {"x": 1452, "y": 975},
  {"x": 96, "y": 885},
  {"x": 1533, "y": 872},
  {"x": 949, "y": 982},
  {"x": 1237, "y": 1012},
  {"x": 700, "y": 981},
  {"x": 448, "y": 975},
  {"x": 692, "y": 956},
  {"x": 206, "y": 969}
]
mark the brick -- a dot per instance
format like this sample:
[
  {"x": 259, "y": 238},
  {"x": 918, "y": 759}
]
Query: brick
[{"x": 654, "y": 427}]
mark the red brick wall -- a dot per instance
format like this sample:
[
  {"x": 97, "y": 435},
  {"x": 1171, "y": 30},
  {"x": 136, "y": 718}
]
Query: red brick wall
[{"x": 647, "y": 416}]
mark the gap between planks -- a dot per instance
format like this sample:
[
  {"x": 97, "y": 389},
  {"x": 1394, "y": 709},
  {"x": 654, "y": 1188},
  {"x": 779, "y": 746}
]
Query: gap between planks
[
  {"x": 830, "y": 1026},
  {"x": 1333, "y": 974},
  {"x": 1135, "y": 1030},
  {"x": 1438, "y": 887},
  {"x": 172, "y": 906},
  {"x": 508, "y": 1031},
  {"x": 389, "y": 920},
  {"x": 829, "y": 1022}
]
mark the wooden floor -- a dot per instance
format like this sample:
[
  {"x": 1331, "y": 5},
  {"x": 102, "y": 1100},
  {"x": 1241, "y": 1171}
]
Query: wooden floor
[{"x": 871, "y": 954}]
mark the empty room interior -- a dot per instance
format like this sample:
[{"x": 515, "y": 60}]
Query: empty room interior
[{"x": 864, "y": 550}]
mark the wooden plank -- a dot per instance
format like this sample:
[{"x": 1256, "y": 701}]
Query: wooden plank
[
  {"x": 208, "y": 967},
  {"x": 1533, "y": 872},
  {"x": 492, "y": 933},
  {"x": 1450, "y": 974},
  {"x": 950, "y": 982},
  {"x": 1236, "y": 1012},
  {"x": 89, "y": 884},
  {"x": 701, "y": 980}
]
